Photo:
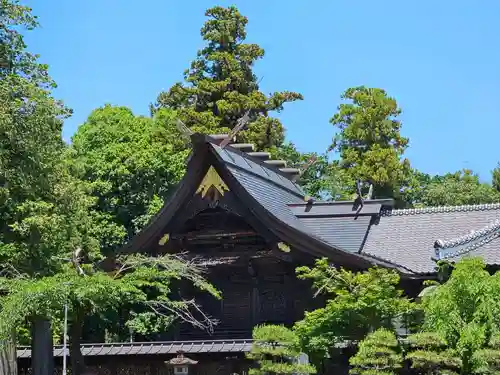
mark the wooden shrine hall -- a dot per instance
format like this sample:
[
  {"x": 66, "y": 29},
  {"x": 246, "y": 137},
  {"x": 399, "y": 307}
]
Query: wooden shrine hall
[{"x": 243, "y": 217}]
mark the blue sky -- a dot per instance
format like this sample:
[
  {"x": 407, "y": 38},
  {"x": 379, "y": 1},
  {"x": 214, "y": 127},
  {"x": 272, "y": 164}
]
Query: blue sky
[{"x": 439, "y": 59}]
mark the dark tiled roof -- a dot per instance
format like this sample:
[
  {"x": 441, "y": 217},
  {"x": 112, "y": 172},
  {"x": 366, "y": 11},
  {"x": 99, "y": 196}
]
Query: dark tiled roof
[
  {"x": 272, "y": 190},
  {"x": 267, "y": 173},
  {"x": 408, "y": 237},
  {"x": 159, "y": 348},
  {"x": 345, "y": 232},
  {"x": 483, "y": 242},
  {"x": 336, "y": 224},
  {"x": 341, "y": 224},
  {"x": 274, "y": 199},
  {"x": 269, "y": 188}
]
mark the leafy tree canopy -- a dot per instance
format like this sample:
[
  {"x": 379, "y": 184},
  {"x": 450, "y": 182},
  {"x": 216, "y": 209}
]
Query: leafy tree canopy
[
  {"x": 43, "y": 210},
  {"x": 459, "y": 188},
  {"x": 462, "y": 316},
  {"x": 131, "y": 166},
  {"x": 220, "y": 86},
  {"x": 15, "y": 60},
  {"x": 142, "y": 286},
  {"x": 356, "y": 304}
]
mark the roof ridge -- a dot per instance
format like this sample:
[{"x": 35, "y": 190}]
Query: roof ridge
[
  {"x": 473, "y": 235},
  {"x": 290, "y": 173},
  {"x": 268, "y": 171},
  {"x": 437, "y": 209}
]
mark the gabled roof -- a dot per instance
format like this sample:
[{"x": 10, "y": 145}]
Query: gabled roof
[
  {"x": 266, "y": 190},
  {"x": 352, "y": 235}
]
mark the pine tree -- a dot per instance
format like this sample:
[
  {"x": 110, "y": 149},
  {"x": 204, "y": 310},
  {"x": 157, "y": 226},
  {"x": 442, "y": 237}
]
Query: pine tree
[
  {"x": 429, "y": 354},
  {"x": 378, "y": 353},
  {"x": 275, "y": 351}
]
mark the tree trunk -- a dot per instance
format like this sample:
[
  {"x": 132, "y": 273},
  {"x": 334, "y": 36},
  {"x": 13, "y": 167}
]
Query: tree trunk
[
  {"x": 8, "y": 356},
  {"x": 42, "y": 346},
  {"x": 75, "y": 353}
]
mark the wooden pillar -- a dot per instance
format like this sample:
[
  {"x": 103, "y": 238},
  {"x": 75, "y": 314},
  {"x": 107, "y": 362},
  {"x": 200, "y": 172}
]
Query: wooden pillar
[
  {"x": 42, "y": 347},
  {"x": 255, "y": 305}
]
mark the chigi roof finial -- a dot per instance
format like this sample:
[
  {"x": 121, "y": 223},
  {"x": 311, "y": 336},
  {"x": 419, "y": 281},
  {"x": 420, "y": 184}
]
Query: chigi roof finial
[
  {"x": 370, "y": 192},
  {"x": 360, "y": 199},
  {"x": 240, "y": 125},
  {"x": 183, "y": 129}
]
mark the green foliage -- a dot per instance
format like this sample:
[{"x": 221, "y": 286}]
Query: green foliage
[
  {"x": 378, "y": 353},
  {"x": 43, "y": 210},
  {"x": 15, "y": 60},
  {"x": 275, "y": 351},
  {"x": 459, "y": 188},
  {"x": 369, "y": 140},
  {"x": 461, "y": 320},
  {"x": 220, "y": 85},
  {"x": 323, "y": 179},
  {"x": 496, "y": 178},
  {"x": 371, "y": 148},
  {"x": 487, "y": 360},
  {"x": 428, "y": 354},
  {"x": 357, "y": 303},
  {"x": 131, "y": 165},
  {"x": 141, "y": 284}
]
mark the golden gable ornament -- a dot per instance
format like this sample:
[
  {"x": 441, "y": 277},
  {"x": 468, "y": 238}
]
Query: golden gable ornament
[{"x": 212, "y": 182}]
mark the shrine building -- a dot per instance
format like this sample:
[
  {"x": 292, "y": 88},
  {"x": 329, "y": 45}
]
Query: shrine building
[{"x": 243, "y": 217}]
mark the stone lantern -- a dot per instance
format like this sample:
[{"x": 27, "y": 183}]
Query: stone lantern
[{"x": 181, "y": 364}]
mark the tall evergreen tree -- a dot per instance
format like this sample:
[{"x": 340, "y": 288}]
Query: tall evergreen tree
[
  {"x": 369, "y": 140},
  {"x": 42, "y": 210},
  {"x": 220, "y": 86},
  {"x": 496, "y": 178}
]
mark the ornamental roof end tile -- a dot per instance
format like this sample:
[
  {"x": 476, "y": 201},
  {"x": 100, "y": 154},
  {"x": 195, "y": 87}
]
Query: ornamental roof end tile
[
  {"x": 473, "y": 235},
  {"x": 448, "y": 249}
]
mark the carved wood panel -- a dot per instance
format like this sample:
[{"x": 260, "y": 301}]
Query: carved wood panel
[
  {"x": 273, "y": 305},
  {"x": 237, "y": 305}
]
